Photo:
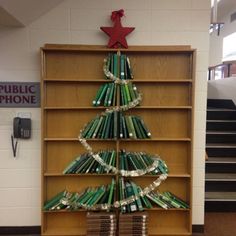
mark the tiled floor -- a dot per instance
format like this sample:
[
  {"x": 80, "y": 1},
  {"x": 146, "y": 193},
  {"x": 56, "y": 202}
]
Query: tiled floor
[{"x": 216, "y": 224}]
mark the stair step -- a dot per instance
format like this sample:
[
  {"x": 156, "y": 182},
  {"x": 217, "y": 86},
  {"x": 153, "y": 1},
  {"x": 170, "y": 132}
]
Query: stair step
[
  {"x": 221, "y": 145},
  {"x": 221, "y": 160},
  {"x": 222, "y": 167},
  {"x": 220, "y": 177},
  {"x": 218, "y": 132},
  {"x": 221, "y": 125},
  {"x": 220, "y": 196},
  {"x": 220, "y": 103}
]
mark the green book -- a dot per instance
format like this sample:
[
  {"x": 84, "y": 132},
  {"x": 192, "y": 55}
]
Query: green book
[
  {"x": 98, "y": 126},
  {"x": 92, "y": 129},
  {"x": 83, "y": 168},
  {"x": 123, "y": 99},
  {"x": 115, "y": 64},
  {"x": 108, "y": 127},
  {"x": 98, "y": 95},
  {"x": 111, "y": 95},
  {"x": 111, "y": 193},
  {"x": 122, "y": 67},
  {"x": 112, "y": 156},
  {"x": 129, "y": 70},
  {"x": 70, "y": 167},
  {"x": 88, "y": 127},
  {"x": 125, "y": 67},
  {"x": 138, "y": 163},
  {"x": 88, "y": 195},
  {"x": 137, "y": 129},
  {"x": 131, "y": 91},
  {"x": 170, "y": 201},
  {"x": 178, "y": 200},
  {"x": 122, "y": 193},
  {"x": 124, "y": 127},
  {"x": 106, "y": 99},
  {"x": 115, "y": 124},
  {"x": 105, "y": 159},
  {"x": 157, "y": 201},
  {"x": 127, "y": 93},
  {"x": 102, "y": 94},
  {"x": 130, "y": 192},
  {"x": 143, "y": 126},
  {"x": 105, "y": 196},
  {"x": 114, "y": 95},
  {"x": 132, "y": 127},
  {"x": 135, "y": 191},
  {"x": 96, "y": 196},
  {"x": 103, "y": 130},
  {"x": 135, "y": 90},
  {"x": 121, "y": 135},
  {"x": 144, "y": 199},
  {"x": 54, "y": 200},
  {"x": 128, "y": 125}
]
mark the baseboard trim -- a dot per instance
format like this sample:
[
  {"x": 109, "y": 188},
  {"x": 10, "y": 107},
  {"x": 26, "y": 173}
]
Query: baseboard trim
[
  {"x": 198, "y": 228},
  {"x": 5, "y": 230}
]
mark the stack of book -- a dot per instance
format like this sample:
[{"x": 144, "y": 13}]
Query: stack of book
[
  {"x": 140, "y": 160},
  {"x": 107, "y": 94},
  {"x": 90, "y": 198},
  {"x": 119, "y": 63},
  {"x": 167, "y": 200},
  {"x": 85, "y": 163},
  {"x": 119, "y": 66},
  {"x": 128, "y": 93},
  {"x": 135, "y": 224},
  {"x": 101, "y": 224},
  {"x": 127, "y": 189},
  {"x": 116, "y": 125}
]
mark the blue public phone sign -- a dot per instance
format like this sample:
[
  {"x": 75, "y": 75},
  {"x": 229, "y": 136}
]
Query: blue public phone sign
[{"x": 19, "y": 94}]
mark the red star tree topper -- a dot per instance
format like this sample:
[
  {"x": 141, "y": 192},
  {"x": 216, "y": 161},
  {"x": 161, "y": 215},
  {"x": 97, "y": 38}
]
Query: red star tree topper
[{"x": 117, "y": 33}]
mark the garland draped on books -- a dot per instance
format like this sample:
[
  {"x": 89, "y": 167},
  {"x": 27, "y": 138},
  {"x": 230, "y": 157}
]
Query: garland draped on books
[
  {"x": 102, "y": 198},
  {"x": 130, "y": 126}
]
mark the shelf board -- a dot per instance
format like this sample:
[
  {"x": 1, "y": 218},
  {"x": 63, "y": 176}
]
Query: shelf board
[
  {"x": 168, "y": 231},
  {"x": 157, "y": 139},
  {"x": 125, "y": 140},
  {"x": 145, "y": 209},
  {"x": 104, "y": 108},
  {"x": 78, "y": 175},
  {"x": 100, "y": 48},
  {"x": 79, "y": 80},
  {"x": 113, "y": 175},
  {"x": 64, "y": 231}
]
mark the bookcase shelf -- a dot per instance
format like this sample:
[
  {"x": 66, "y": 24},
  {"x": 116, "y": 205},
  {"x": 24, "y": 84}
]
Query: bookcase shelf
[{"x": 71, "y": 76}]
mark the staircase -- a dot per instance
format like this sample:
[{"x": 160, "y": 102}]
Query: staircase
[{"x": 220, "y": 182}]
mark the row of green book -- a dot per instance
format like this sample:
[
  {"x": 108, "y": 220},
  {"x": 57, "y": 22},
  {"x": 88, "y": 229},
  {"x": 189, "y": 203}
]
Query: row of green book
[
  {"x": 119, "y": 66},
  {"x": 116, "y": 125},
  {"x": 87, "y": 199},
  {"x": 107, "y": 94},
  {"x": 85, "y": 163},
  {"x": 140, "y": 160},
  {"x": 93, "y": 197},
  {"x": 165, "y": 200},
  {"x": 128, "y": 161}
]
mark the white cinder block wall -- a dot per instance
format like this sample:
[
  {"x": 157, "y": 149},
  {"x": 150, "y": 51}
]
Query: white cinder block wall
[
  {"x": 157, "y": 22},
  {"x": 216, "y": 41}
]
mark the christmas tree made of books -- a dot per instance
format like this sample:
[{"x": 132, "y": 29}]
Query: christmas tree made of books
[{"x": 118, "y": 95}]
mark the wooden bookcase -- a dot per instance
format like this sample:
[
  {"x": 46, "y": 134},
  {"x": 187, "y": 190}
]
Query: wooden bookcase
[{"x": 71, "y": 76}]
